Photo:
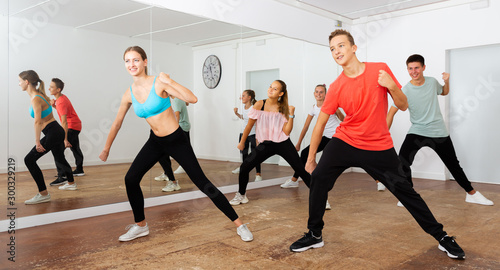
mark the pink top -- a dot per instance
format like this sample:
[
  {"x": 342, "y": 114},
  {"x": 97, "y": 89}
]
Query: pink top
[{"x": 269, "y": 125}]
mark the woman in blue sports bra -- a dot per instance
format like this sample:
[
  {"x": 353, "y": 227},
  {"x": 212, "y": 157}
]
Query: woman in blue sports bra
[
  {"x": 149, "y": 96},
  {"x": 53, "y": 140}
]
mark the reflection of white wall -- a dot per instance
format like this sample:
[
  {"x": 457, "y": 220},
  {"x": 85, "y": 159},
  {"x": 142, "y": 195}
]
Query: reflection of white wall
[
  {"x": 301, "y": 66},
  {"x": 90, "y": 63},
  {"x": 4, "y": 71},
  {"x": 430, "y": 33}
]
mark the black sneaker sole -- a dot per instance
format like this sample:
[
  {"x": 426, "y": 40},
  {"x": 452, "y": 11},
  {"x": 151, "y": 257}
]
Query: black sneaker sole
[
  {"x": 317, "y": 245},
  {"x": 78, "y": 174},
  {"x": 451, "y": 255}
]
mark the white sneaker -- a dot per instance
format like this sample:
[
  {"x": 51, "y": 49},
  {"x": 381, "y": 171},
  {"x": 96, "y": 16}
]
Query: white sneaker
[
  {"x": 238, "y": 198},
  {"x": 171, "y": 186},
  {"x": 400, "y": 204},
  {"x": 328, "y": 206},
  {"x": 236, "y": 171},
  {"x": 380, "y": 186},
  {"x": 258, "y": 178},
  {"x": 39, "y": 198},
  {"x": 179, "y": 170},
  {"x": 68, "y": 187},
  {"x": 134, "y": 231},
  {"x": 162, "y": 177},
  {"x": 290, "y": 184},
  {"x": 244, "y": 233},
  {"x": 477, "y": 198}
]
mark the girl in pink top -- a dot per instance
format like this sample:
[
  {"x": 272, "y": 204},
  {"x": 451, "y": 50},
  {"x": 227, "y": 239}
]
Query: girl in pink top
[{"x": 274, "y": 118}]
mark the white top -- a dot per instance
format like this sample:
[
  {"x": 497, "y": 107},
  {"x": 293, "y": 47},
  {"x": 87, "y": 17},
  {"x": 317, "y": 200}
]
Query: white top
[
  {"x": 331, "y": 125},
  {"x": 245, "y": 121}
]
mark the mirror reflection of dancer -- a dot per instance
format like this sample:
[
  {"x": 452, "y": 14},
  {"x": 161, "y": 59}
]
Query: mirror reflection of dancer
[
  {"x": 180, "y": 111},
  {"x": 72, "y": 126},
  {"x": 363, "y": 139},
  {"x": 150, "y": 97},
  {"x": 428, "y": 128},
  {"x": 274, "y": 120},
  {"x": 53, "y": 140},
  {"x": 331, "y": 125},
  {"x": 248, "y": 99}
]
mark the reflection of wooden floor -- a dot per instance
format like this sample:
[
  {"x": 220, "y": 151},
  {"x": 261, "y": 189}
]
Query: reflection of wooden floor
[
  {"x": 104, "y": 185},
  {"x": 365, "y": 230}
]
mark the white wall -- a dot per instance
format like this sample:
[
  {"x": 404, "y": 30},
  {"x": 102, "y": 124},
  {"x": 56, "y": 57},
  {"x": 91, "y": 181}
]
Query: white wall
[
  {"x": 430, "y": 34},
  {"x": 91, "y": 65},
  {"x": 302, "y": 66},
  {"x": 4, "y": 71}
]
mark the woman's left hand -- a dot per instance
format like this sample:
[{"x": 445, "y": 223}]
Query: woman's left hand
[{"x": 39, "y": 148}]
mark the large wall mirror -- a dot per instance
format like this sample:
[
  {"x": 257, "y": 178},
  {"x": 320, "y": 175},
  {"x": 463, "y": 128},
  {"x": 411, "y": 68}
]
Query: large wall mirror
[{"x": 82, "y": 43}]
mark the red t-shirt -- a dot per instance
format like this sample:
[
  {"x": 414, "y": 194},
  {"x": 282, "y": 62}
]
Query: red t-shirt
[
  {"x": 365, "y": 103},
  {"x": 64, "y": 107}
]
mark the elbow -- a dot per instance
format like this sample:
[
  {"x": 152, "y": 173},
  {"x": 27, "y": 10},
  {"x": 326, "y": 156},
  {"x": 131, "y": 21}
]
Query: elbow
[
  {"x": 193, "y": 100},
  {"x": 404, "y": 107}
]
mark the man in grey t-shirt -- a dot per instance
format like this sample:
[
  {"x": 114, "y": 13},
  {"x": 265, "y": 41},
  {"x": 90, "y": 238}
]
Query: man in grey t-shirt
[{"x": 428, "y": 128}]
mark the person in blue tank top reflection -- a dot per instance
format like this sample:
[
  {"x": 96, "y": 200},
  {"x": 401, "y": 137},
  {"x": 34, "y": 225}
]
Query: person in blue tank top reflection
[
  {"x": 53, "y": 140},
  {"x": 149, "y": 96}
]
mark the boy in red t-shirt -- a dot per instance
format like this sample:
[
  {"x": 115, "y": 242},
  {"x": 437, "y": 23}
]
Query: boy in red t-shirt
[
  {"x": 72, "y": 126},
  {"x": 362, "y": 140}
]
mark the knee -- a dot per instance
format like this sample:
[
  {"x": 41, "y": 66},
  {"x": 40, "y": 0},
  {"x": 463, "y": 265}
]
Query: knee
[
  {"x": 29, "y": 160},
  {"x": 131, "y": 180}
]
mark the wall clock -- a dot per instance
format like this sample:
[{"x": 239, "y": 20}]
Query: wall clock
[{"x": 212, "y": 71}]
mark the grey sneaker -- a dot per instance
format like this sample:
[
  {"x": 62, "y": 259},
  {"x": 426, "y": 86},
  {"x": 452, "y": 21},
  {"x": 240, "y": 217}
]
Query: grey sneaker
[
  {"x": 238, "y": 198},
  {"x": 171, "y": 186},
  {"x": 134, "y": 231},
  {"x": 244, "y": 232},
  {"x": 328, "y": 206},
  {"x": 68, "y": 187},
  {"x": 162, "y": 177},
  {"x": 39, "y": 198}
]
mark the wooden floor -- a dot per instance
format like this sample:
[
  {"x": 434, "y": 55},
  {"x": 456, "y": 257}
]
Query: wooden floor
[
  {"x": 105, "y": 185},
  {"x": 365, "y": 230}
]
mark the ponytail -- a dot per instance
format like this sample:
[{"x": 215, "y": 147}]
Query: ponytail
[
  {"x": 32, "y": 77},
  {"x": 251, "y": 93}
]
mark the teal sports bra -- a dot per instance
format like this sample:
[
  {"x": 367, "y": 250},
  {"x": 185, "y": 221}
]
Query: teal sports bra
[
  {"x": 45, "y": 112},
  {"x": 153, "y": 105}
]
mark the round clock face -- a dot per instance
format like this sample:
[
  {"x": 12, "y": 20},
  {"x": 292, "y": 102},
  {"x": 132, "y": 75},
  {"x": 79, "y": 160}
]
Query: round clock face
[{"x": 212, "y": 71}]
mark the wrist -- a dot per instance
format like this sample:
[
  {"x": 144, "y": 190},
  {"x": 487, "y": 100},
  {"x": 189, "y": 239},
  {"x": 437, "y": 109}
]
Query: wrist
[{"x": 291, "y": 116}]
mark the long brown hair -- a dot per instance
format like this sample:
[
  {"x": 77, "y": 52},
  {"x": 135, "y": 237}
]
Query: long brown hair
[
  {"x": 283, "y": 100},
  {"x": 138, "y": 50},
  {"x": 32, "y": 77},
  {"x": 251, "y": 93}
]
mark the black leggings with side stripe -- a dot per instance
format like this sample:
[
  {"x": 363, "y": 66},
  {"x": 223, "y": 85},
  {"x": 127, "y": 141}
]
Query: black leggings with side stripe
[
  {"x": 177, "y": 146},
  {"x": 267, "y": 149}
]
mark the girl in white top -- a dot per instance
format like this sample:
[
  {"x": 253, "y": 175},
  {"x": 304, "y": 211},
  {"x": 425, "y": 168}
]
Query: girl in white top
[
  {"x": 274, "y": 120},
  {"x": 248, "y": 98},
  {"x": 331, "y": 125}
]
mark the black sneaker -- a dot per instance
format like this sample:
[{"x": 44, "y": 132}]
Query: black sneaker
[
  {"x": 78, "y": 173},
  {"x": 306, "y": 242},
  {"x": 450, "y": 246},
  {"x": 59, "y": 181}
]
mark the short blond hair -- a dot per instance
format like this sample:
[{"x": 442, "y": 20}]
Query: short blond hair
[{"x": 340, "y": 32}]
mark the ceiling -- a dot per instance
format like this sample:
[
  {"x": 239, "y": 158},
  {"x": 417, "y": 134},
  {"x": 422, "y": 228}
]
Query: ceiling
[
  {"x": 133, "y": 19},
  {"x": 356, "y": 9}
]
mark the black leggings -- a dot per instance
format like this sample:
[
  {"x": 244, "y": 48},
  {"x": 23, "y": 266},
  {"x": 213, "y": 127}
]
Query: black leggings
[
  {"x": 52, "y": 141},
  {"x": 75, "y": 148},
  {"x": 252, "y": 143},
  {"x": 267, "y": 149},
  {"x": 166, "y": 164},
  {"x": 177, "y": 146},
  {"x": 305, "y": 152},
  {"x": 445, "y": 150},
  {"x": 383, "y": 165}
]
